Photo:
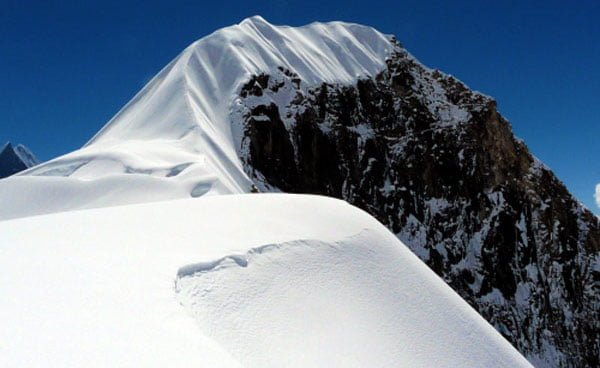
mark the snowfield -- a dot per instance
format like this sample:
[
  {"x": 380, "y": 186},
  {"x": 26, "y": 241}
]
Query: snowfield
[{"x": 255, "y": 280}]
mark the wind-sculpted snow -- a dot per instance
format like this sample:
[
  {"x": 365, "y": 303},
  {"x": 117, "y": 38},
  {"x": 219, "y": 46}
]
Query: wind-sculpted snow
[
  {"x": 224, "y": 262},
  {"x": 229, "y": 281},
  {"x": 182, "y": 117},
  {"x": 360, "y": 301}
]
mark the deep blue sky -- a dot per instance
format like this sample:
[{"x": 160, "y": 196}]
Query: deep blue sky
[{"x": 65, "y": 69}]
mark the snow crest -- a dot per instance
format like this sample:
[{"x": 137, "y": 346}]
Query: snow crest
[
  {"x": 176, "y": 133},
  {"x": 311, "y": 303}
]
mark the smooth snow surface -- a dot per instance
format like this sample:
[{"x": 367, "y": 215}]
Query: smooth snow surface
[
  {"x": 255, "y": 280},
  {"x": 175, "y": 139}
]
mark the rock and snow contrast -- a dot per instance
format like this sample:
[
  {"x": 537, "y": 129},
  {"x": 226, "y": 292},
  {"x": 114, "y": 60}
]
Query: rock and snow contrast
[
  {"x": 199, "y": 277},
  {"x": 15, "y": 159},
  {"x": 179, "y": 136}
]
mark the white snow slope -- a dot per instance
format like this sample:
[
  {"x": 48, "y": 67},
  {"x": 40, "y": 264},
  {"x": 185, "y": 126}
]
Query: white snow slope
[
  {"x": 175, "y": 138},
  {"x": 255, "y": 280}
]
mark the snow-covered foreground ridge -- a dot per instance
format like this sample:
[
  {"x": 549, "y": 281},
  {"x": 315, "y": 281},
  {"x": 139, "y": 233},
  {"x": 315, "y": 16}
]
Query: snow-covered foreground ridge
[
  {"x": 176, "y": 138},
  {"x": 265, "y": 280}
]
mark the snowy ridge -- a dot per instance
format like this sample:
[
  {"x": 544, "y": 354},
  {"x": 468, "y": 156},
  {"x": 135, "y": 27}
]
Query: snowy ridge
[
  {"x": 210, "y": 72},
  {"x": 183, "y": 117},
  {"x": 324, "y": 292}
]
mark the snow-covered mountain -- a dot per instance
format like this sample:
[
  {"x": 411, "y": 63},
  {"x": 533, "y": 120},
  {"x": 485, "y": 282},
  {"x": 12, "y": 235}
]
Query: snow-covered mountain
[
  {"x": 343, "y": 110},
  {"x": 15, "y": 159},
  {"x": 181, "y": 135}
]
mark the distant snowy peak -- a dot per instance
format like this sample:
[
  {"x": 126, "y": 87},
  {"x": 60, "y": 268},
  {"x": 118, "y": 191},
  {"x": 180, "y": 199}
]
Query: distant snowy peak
[
  {"x": 14, "y": 159},
  {"x": 26, "y": 155}
]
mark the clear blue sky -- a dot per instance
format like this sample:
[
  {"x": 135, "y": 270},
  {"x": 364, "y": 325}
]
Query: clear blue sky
[{"x": 66, "y": 68}]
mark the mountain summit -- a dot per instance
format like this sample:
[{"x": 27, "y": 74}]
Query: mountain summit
[
  {"x": 343, "y": 110},
  {"x": 182, "y": 134}
]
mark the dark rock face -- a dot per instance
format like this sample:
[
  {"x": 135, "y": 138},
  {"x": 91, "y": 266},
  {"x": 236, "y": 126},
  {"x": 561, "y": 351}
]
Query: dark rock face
[
  {"x": 15, "y": 159},
  {"x": 438, "y": 164}
]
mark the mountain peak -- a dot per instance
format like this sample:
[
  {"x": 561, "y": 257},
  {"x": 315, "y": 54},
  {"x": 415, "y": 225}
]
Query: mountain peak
[
  {"x": 255, "y": 19},
  {"x": 187, "y": 107},
  {"x": 14, "y": 159},
  {"x": 6, "y": 146},
  {"x": 343, "y": 110}
]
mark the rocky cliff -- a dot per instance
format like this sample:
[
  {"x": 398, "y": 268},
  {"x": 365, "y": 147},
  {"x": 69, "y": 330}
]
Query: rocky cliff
[{"x": 439, "y": 165}]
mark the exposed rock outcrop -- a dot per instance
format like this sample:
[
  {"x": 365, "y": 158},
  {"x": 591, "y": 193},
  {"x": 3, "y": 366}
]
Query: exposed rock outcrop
[{"x": 439, "y": 165}]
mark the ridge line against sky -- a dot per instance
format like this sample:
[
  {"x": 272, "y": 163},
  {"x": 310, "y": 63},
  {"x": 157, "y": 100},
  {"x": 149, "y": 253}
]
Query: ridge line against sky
[{"x": 67, "y": 69}]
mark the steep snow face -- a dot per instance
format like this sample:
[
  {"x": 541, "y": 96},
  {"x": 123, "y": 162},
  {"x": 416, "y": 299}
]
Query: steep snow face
[
  {"x": 195, "y": 91},
  {"x": 284, "y": 281},
  {"x": 175, "y": 138}
]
